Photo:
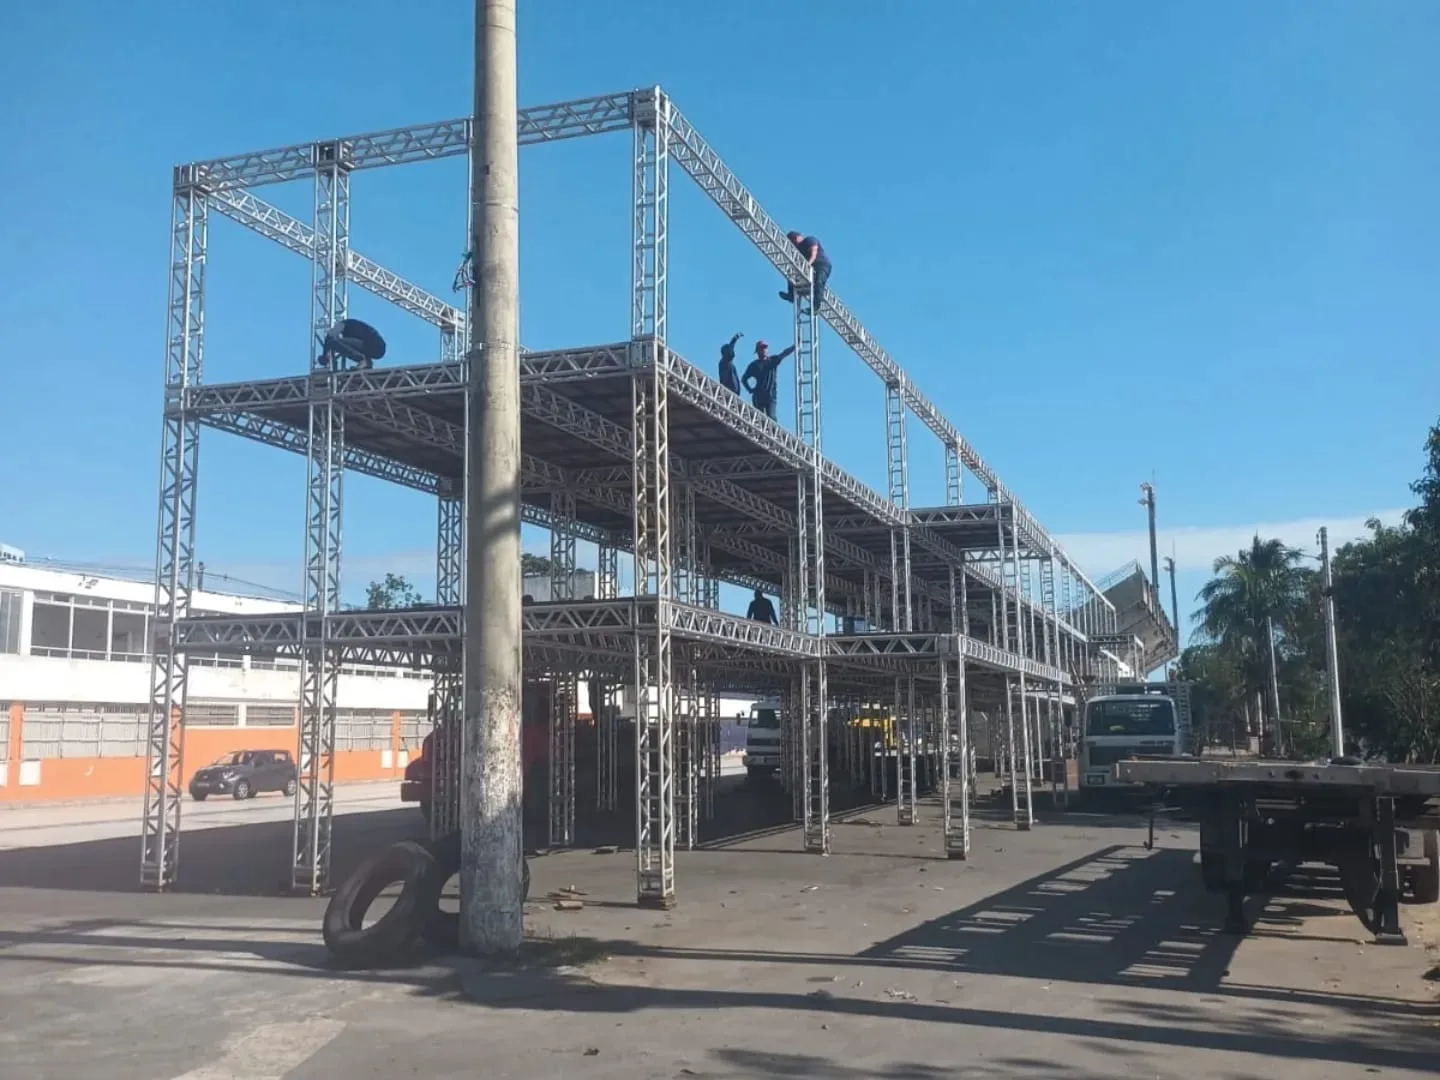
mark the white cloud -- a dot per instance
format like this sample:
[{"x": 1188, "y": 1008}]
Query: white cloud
[{"x": 1195, "y": 548}]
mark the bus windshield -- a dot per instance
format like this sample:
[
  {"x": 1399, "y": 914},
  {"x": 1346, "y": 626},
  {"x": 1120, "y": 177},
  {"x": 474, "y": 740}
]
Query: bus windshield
[
  {"x": 1135, "y": 716},
  {"x": 765, "y": 718}
]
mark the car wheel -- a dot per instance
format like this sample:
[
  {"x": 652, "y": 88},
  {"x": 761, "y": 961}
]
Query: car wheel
[
  {"x": 242, "y": 790},
  {"x": 290, "y": 786},
  {"x": 198, "y": 796}
]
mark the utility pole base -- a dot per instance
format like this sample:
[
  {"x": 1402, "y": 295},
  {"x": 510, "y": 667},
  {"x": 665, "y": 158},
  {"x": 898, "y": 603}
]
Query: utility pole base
[{"x": 656, "y": 903}]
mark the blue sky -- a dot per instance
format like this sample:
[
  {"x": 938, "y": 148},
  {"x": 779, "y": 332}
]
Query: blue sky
[{"x": 1114, "y": 241}]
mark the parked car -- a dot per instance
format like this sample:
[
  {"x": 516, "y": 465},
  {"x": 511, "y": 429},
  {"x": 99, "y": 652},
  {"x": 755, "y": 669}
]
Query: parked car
[{"x": 244, "y": 774}]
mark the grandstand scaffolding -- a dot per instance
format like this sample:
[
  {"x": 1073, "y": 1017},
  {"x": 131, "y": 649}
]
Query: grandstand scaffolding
[{"x": 630, "y": 447}]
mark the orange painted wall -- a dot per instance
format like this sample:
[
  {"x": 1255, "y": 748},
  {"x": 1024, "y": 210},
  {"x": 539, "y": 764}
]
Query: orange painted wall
[{"x": 78, "y": 779}]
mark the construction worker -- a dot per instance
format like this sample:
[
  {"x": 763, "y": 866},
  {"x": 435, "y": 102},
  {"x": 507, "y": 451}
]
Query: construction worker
[
  {"x": 811, "y": 251},
  {"x": 761, "y": 610},
  {"x": 760, "y": 379},
  {"x": 729, "y": 377},
  {"x": 352, "y": 340}
]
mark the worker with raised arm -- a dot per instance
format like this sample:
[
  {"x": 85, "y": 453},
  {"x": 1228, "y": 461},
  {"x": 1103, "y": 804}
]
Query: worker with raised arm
[
  {"x": 761, "y": 610},
  {"x": 729, "y": 377},
  {"x": 760, "y": 378},
  {"x": 814, "y": 254},
  {"x": 352, "y": 340}
]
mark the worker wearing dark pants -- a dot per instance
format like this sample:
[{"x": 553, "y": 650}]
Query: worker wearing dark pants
[
  {"x": 729, "y": 377},
  {"x": 760, "y": 378},
  {"x": 811, "y": 251},
  {"x": 761, "y": 610},
  {"x": 353, "y": 340}
]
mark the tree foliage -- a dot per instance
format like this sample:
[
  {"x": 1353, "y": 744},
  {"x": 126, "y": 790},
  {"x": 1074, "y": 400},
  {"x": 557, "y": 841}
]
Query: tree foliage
[
  {"x": 1386, "y": 589},
  {"x": 392, "y": 593},
  {"x": 534, "y": 565}
]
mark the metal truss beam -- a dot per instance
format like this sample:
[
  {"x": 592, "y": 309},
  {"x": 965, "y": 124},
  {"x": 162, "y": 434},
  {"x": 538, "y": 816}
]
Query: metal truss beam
[
  {"x": 274, "y": 224},
  {"x": 422, "y": 142},
  {"x": 693, "y": 154}
]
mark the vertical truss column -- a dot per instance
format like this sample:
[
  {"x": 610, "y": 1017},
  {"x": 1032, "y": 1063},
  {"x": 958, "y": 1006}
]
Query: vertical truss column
[
  {"x": 687, "y": 744},
  {"x": 1026, "y": 817},
  {"x": 562, "y": 546},
  {"x": 689, "y": 587},
  {"x": 1003, "y": 635},
  {"x": 957, "y": 839},
  {"x": 710, "y": 748},
  {"x": 175, "y": 541},
  {"x": 810, "y": 533},
  {"x": 897, "y": 454},
  {"x": 603, "y": 698},
  {"x": 905, "y": 751},
  {"x": 792, "y": 722},
  {"x": 607, "y": 573},
  {"x": 447, "y": 713},
  {"x": 954, "y": 476},
  {"x": 604, "y": 706},
  {"x": 654, "y": 688},
  {"x": 320, "y": 668},
  {"x": 1032, "y": 648},
  {"x": 563, "y": 704}
]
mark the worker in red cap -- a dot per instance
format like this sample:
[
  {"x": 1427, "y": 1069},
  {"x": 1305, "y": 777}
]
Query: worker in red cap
[
  {"x": 811, "y": 251},
  {"x": 759, "y": 377}
]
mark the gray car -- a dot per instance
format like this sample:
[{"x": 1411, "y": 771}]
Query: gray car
[{"x": 243, "y": 774}]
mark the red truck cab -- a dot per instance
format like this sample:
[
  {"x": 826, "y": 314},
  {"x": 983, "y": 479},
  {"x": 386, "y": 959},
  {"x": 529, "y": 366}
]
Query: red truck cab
[{"x": 534, "y": 753}]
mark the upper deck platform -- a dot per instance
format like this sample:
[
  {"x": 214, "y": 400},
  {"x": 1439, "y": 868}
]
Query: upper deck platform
[{"x": 406, "y": 424}]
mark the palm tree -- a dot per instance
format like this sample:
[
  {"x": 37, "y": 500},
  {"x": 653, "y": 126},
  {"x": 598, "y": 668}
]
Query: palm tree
[{"x": 1254, "y": 593}]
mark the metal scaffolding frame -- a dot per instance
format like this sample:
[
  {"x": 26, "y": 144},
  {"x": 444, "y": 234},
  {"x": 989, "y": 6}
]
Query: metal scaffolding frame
[{"x": 630, "y": 447}]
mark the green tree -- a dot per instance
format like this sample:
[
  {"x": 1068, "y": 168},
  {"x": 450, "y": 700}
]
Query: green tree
[
  {"x": 392, "y": 593},
  {"x": 534, "y": 565},
  {"x": 1257, "y": 597}
]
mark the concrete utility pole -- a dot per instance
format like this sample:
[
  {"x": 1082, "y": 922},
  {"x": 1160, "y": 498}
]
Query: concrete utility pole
[
  {"x": 1148, "y": 501},
  {"x": 490, "y": 816},
  {"x": 1332, "y": 649}
]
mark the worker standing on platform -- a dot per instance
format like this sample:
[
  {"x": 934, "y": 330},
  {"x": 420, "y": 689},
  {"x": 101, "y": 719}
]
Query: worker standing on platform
[
  {"x": 761, "y": 610},
  {"x": 760, "y": 378},
  {"x": 729, "y": 377},
  {"x": 811, "y": 251},
  {"x": 354, "y": 340}
]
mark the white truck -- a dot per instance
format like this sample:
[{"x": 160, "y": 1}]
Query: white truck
[
  {"x": 762, "y": 740},
  {"x": 1129, "y": 720}
]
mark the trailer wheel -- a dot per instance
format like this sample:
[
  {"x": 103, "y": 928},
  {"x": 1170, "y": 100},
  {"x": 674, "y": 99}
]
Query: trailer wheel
[
  {"x": 347, "y": 937},
  {"x": 1425, "y": 880}
]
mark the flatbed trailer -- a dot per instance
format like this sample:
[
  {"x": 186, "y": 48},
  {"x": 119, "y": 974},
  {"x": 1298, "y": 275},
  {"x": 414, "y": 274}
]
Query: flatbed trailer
[{"x": 1376, "y": 824}]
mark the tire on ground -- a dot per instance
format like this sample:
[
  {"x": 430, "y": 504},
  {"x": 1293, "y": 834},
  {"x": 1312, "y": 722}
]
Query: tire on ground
[
  {"x": 1425, "y": 879},
  {"x": 442, "y": 928},
  {"x": 347, "y": 937}
]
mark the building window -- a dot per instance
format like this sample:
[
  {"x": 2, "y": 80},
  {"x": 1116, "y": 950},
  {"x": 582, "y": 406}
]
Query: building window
[
  {"x": 10, "y": 601},
  {"x": 90, "y": 633},
  {"x": 127, "y": 635},
  {"x": 50, "y": 629}
]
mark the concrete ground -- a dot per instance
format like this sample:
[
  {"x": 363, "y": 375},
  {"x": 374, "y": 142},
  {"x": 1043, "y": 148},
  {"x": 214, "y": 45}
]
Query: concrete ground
[{"x": 1069, "y": 952}]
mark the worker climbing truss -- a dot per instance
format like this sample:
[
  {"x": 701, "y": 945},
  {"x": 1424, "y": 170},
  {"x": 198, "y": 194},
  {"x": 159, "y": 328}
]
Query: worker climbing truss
[{"x": 928, "y": 609}]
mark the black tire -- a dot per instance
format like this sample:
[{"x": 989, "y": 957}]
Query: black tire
[
  {"x": 1425, "y": 880},
  {"x": 289, "y": 789},
  {"x": 353, "y": 943},
  {"x": 199, "y": 796},
  {"x": 442, "y": 929},
  {"x": 242, "y": 791}
]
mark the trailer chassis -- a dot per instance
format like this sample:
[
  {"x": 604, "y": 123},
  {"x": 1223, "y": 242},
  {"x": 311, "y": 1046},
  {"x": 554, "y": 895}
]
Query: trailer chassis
[{"x": 1375, "y": 824}]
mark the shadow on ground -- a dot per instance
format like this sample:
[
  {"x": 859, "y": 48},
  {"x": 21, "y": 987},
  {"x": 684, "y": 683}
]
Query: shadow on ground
[{"x": 253, "y": 859}]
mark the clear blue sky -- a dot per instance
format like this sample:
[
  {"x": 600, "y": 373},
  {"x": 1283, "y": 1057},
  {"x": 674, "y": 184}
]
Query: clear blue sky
[{"x": 1114, "y": 241}]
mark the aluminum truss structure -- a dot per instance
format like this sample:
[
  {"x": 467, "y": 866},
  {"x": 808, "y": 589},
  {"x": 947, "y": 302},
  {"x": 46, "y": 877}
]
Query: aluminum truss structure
[{"x": 932, "y": 604}]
